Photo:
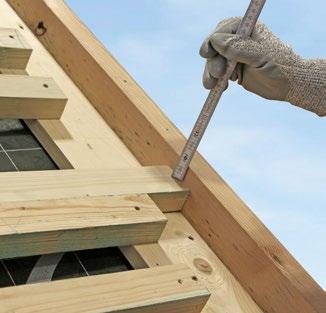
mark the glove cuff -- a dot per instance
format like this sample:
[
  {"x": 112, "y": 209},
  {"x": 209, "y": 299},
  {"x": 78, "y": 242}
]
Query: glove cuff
[{"x": 308, "y": 86}]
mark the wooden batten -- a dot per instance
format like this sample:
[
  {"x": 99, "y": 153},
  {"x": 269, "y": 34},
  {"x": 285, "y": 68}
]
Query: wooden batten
[
  {"x": 172, "y": 289},
  {"x": 25, "y": 97},
  {"x": 65, "y": 184},
  {"x": 14, "y": 50},
  {"x": 21, "y": 96},
  {"x": 43, "y": 227}
]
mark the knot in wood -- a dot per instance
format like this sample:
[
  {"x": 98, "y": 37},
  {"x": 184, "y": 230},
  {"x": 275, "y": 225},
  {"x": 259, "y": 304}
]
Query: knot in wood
[{"x": 203, "y": 266}]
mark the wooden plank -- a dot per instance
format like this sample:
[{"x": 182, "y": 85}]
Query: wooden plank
[
  {"x": 43, "y": 227},
  {"x": 25, "y": 97},
  {"x": 234, "y": 233},
  {"x": 163, "y": 289},
  {"x": 48, "y": 185},
  {"x": 83, "y": 138},
  {"x": 14, "y": 50}
]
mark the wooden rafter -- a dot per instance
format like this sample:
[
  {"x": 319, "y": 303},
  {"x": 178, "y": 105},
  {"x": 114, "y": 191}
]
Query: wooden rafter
[{"x": 264, "y": 267}]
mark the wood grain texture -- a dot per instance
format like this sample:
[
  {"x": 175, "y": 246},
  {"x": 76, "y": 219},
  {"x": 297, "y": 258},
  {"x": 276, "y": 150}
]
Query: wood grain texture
[
  {"x": 182, "y": 244},
  {"x": 43, "y": 227},
  {"x": 84, "y": 139},
  {"x": 172, "y": 202},
  {"x": 276, "y": 281},
  {"x": 48, "y": 185},
  {"x": 14, "y": 50},
  {"x": 148, "y": 255},
  {"x": 26, "y": 97},
  {"x": 163, "y": 289}
]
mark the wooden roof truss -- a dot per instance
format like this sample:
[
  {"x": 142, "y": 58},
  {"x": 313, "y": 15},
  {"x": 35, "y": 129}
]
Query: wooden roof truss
[{"x": 196, "y": 247}]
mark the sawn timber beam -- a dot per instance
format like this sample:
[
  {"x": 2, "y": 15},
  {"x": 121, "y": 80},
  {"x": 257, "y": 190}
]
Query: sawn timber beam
[
  {"x": 275, "y": 280},
  {"x": 21, "y": 96},
  {"x": 155, "y": 181},
  {"x": 51, "y": 226},
  {"x": 14, "y": 50},
  {"x": 164, "y": 289},
  {"x": 26, "y": 97}
]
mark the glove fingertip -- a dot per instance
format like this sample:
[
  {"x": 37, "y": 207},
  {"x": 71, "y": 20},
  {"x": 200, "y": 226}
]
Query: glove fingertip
[
  {"x": 206, "y": 50},
  {"x": 229, "y": 25},
  {"x": 217, "y": 66},
  {"x": 209, "y": 82},
  {"x": 220, "y": 41},
  {"x": 210, "y": 85}
]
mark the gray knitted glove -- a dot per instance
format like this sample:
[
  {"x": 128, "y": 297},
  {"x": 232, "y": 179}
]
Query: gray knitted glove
[{"x": 267, "y": 66}]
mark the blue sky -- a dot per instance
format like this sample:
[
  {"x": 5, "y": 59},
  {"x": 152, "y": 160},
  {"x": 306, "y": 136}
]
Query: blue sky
[{"x": 271, "y": 153}]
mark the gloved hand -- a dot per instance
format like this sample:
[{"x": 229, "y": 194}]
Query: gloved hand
[{"x": 267, "y": 67}]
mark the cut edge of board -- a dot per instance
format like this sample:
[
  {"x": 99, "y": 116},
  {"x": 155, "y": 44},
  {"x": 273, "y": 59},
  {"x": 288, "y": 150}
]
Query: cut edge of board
[
  {"x": 28, "y": 97},
  {"x": 15, "y": 51}
]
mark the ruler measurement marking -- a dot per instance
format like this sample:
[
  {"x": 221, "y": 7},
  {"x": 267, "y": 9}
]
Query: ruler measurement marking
[{"x": 245, "y": 29}]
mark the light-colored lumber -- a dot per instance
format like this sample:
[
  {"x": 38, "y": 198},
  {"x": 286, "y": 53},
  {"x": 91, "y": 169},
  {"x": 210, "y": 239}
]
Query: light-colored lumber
[
  {"x": 43, "y": 227},
  {"x": 83, "y": 138},
  {"x": 163, "y": 289},
  {"x": 88, "y": 144},
  {"x": 146, "y": 255},
  {"x": 14, "y": 50},
  {"x": 264, "y": 267},
  {"x": 47, "y": 185},
  {"x": 26, "y": 97},
  {"x": 172, "y": 202},
  {"x": 183, "y": 245}
]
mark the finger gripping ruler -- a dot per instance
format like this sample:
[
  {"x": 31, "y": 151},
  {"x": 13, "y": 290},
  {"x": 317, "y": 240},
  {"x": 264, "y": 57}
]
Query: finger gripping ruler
[{"x": 245, "y": 29}]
